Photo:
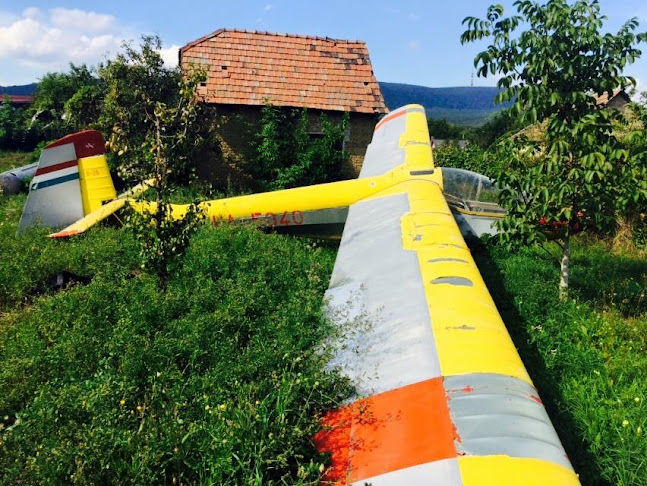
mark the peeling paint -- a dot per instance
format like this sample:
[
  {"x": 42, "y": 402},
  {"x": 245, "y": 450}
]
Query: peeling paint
[{"x": 464, "y": 327}]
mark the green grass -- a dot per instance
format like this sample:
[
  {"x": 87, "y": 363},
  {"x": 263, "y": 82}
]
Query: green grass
[
  {"x": 214, "y": 382},
  {"x": 587, "y": 356},
  {"x": 10, "y": 160}
]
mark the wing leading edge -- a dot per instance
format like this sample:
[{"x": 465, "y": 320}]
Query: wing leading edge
[{"x": 443, "y": 397}]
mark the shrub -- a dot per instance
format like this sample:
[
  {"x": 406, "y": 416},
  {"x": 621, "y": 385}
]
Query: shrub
[
  {"x": 288, "y": 155},
  {"x": 214, "y": 381},
  {"x": 217, "y": 380},
  {"x": 472, "y": 157}
]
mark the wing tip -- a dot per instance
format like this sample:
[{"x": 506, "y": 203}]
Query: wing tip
[{"x": 64, "y": 234}]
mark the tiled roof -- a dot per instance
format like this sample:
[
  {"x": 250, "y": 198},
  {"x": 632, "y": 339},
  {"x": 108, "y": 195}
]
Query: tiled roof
[{"x": 248, "y": 67}]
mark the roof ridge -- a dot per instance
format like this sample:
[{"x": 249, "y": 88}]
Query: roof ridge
[{"x": 215, "y": 33}]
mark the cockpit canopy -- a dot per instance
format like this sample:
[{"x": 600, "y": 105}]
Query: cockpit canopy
[{"x": 470, "y": 191}]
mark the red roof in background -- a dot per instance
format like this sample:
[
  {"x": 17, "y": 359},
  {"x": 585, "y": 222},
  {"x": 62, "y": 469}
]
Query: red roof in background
[
  {"x": 17, "y": 99},
  {"x": 247, "y": 67}
]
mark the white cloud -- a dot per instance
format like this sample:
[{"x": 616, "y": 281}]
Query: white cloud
[
  {"x": 43, "y": 41},
  {"x": 31, "y": 13},
  {"x": 413, "y": 17},
  {"x": 170, "y": 55},
  {"x": 76, "y": 19},
  {"x": 268, "y": 7},
  {"x": 414, "y": 45}
]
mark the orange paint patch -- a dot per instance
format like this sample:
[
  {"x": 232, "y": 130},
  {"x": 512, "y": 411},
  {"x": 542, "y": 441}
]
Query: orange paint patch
[
  {"x": 387, "y": 432},
  {"x": 64, "y": 234},
  {"x": 334, "y": 437},
  {"x": 387, "y": 119},
  {"x": 535, "y": 398}
]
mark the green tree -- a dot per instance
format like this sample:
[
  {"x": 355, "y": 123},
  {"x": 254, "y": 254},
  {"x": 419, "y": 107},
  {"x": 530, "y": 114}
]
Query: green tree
[
  {"x": 444, "y": 130},
  {"x": 83, "y": 109},
  {"x": 472, "y": 158},
  {"x": 580, "y": 176},
  {"x": 497, "y": 125},
  {"x": 636, "y": 143},
  {"x": 156, "y": 125},
  {"x": 12, "y": 125},
  {"x": 49, "y": 117}
]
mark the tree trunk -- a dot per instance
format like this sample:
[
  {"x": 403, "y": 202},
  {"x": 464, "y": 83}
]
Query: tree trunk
[{"x": 566, "y": 257}]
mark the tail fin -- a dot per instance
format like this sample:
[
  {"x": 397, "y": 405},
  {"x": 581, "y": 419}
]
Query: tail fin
[{"x": 71, "y": 181}]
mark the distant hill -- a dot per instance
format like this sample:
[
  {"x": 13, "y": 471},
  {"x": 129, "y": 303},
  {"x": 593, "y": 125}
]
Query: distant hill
[
  {"x": 24, "y": 89},
  {"x": 467, "y": 106}
]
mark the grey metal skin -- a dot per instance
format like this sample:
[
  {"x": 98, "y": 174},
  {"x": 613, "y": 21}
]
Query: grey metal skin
[
  {"x": 12, "y": 181},
  {"x": 501, "y": 415},
  {"x": 388, "y": 332}
]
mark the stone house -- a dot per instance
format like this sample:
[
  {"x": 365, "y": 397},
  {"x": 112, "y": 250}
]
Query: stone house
[{"x": 247, "y": 69}]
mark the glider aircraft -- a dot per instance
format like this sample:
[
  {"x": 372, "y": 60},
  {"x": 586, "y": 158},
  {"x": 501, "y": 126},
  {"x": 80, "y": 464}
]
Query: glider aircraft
[{"x": 443, "y": 397}]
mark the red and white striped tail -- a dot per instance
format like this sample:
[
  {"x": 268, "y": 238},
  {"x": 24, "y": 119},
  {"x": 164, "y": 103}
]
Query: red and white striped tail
[{"x": 55, "y": 197}]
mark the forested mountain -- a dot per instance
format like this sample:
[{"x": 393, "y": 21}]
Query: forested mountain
[
  {"x": 24, "y": 89},
  {"x": 463, "y": 105}
]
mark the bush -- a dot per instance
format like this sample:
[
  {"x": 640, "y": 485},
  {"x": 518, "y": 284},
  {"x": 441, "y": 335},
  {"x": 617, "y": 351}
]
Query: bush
[
  {"x": 14, "y": 134},
  {"x": 214, "y": 381},
  {"x": 472, "y": 157},
  {"x": 287, "y": 155}
]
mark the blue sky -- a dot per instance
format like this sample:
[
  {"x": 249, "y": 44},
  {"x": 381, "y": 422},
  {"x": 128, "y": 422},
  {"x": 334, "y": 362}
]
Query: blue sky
[{"x": 410, "y": 41}]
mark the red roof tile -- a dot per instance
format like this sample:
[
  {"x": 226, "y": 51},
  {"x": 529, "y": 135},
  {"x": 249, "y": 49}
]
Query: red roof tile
[{"x": 247, "y": 67}]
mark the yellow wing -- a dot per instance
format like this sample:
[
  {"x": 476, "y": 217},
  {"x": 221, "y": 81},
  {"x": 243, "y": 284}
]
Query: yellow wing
[{"x": 443, "y": 397}]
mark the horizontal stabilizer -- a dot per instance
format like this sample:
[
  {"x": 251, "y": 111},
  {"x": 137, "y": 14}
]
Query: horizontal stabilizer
[{"x": 101, "y": 213}]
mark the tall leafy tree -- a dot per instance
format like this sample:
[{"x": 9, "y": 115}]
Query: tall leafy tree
[
  {"x": 553, "y": 60},
  {"x": 12, "y": 125},
  {"x": 49, "y": 115},
  {"x": 443, "y": 129},
  {"x": 156, "y": 125}
]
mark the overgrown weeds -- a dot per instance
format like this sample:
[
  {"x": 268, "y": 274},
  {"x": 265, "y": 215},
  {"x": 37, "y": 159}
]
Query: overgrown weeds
[
  {"x": 10, "y": 160},
  {"x": 215, "y": 381}
]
